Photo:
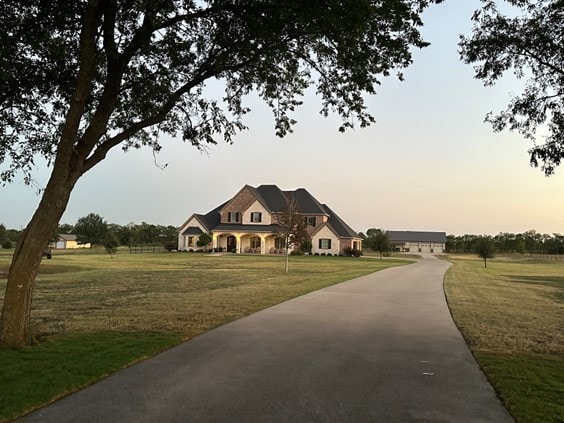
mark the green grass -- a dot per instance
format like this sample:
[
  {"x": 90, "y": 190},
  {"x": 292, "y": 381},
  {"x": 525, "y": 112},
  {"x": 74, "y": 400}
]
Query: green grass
[
  {"x": 93, "y": 315},
  {"x": 512, "y": 317}
]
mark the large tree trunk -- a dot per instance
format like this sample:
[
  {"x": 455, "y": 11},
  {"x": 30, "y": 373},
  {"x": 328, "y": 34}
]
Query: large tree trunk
[{"x": 15, "y": 321}]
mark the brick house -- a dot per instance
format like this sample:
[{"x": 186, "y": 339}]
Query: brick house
[{"x": 247, "y": 223}]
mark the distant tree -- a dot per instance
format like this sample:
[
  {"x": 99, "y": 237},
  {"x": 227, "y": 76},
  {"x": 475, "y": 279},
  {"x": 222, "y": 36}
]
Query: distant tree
[
  {"x": 91, "y": 229},
  {"x": 291, "y": 228},
  {"x": 80, "y": 79},
  {"x": 377, "y": 240},
  {"x": 110, "y": 243},
  {"x": 3, "y": 232},
  {"x": 204, "y": 240},
  {"x": 531, "y": 42},
  {"x": 485, "y": 248},
  {"x": 66, "y": 228}
]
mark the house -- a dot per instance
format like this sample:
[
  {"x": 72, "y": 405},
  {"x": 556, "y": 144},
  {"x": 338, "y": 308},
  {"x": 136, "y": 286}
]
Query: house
[
  {"x": 417, "y": 242},
  {"x": 67, "y": 241},
  {"x": 247, "y": 223}
]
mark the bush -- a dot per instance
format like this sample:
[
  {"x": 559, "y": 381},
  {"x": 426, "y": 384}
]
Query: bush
[
  {"x": 7, "y": 244},
  {"x": 296, "y": 253},
  {"x": 356, "y": 253}
]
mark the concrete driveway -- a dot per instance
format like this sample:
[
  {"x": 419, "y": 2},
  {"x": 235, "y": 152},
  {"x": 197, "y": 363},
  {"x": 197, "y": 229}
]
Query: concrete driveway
[{"x": 379, "y": 348}]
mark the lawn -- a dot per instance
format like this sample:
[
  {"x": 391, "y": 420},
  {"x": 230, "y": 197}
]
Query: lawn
[
  {"x": 512, "y": 317},
  {"x": 93, "y": 314}
]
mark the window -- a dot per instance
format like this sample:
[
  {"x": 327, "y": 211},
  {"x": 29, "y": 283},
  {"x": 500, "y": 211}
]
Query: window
[
  {"x": 310, "y": 221},
  {"x": 256, "y": 217},
  {"x": 324, "y": 244},
  {"x": 190, "y": 241},
  {"x": 279, "y": 243},
  {"x": 255, "y": 242},
  {"x": 233, "y": 217}
]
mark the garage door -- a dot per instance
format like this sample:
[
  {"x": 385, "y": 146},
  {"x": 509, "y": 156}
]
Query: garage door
[
  {"x": 413, "y": 248},
  {"x": 425, "y": 248}
]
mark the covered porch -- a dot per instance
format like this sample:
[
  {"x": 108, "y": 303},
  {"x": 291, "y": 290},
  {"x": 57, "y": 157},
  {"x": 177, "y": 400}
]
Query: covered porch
[{"x": 247, "y": 243}]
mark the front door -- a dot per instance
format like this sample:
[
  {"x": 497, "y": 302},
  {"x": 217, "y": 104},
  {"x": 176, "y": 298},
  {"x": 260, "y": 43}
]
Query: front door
[{"x": 231, "y": 244}]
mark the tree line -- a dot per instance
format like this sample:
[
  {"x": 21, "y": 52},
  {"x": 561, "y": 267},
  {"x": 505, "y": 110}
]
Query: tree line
[
  {"x": 93, "y": 229},
  {"x": 529, "y": 242}
]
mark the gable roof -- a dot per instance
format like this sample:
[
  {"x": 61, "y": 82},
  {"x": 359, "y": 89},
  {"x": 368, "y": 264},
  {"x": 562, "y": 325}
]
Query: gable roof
[{"x": 416, "y": 236}]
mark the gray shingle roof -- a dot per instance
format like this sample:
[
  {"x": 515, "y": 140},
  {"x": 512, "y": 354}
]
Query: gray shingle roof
[
  {"x": 416, "y": 236},
  {"x": 306, "y": 202},
  {"x": 192, "y": 230},
  {"x": 273, "y": 197},
  {"x": 339, "y": 225}
]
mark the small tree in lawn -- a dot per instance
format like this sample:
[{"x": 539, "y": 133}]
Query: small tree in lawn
[
  {"x": 110, "y": 243},
  {"x": 204, "y": 240},
  {"x": 292, "y": 228},
  {"x": 485, "y": 248},
  {"x": 378, "y": 240}
]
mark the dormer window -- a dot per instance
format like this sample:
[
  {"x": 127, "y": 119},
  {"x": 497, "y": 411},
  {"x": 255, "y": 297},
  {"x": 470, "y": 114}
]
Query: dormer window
[
  {"x": 256, "y": 217},
  {"x": 233, "y": 217},
  {"x": 310, "y": 221}
]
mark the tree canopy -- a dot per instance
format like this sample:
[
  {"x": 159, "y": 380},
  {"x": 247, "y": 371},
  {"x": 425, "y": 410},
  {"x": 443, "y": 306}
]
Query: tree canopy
[
  {"x": 91, "y": 75},
  {"x": 485, "y": 248},
  {"x": 80, "y": 78},
  {"x": 531, "y": 43}
]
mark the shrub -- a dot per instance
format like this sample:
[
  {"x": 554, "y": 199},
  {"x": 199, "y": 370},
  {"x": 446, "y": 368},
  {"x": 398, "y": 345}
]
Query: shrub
[
  {"x": 296, "y": 253},
  {"x": 7, "y": 244}
]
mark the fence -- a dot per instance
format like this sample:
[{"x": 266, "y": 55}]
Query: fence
[{"x": 146, "y": 249}]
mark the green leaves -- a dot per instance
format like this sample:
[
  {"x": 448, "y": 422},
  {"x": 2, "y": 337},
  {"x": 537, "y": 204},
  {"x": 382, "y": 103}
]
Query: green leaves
[
  {"x": 84, "y": 77},
  {"x": 531, "y": 44}
]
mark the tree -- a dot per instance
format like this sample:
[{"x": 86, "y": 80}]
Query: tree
[
  {"x": 110, "y": 243},
  {"x": 292, "y": 228},
  {"x": 485, "y": 248},
  {"x": 81, "y": 78},
  {"x": 532, "y": 44},
  {"x": 204, "y": 240},
  {"x": 91, "y": 229},
  {"x": 377, "y": 240}
]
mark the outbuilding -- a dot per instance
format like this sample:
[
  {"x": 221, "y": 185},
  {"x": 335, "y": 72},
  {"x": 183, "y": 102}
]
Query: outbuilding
[{"x": 417, "y": 241}]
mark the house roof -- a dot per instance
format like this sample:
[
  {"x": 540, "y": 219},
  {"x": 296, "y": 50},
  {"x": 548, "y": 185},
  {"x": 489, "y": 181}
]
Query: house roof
[
  {"x": 339, "y": 226},
  {"x": 67, "y": 237},
  {"x": 272, "y": 197},
  {"x": 306, "y": 202},
  {"x": 193, "y": 230},
  {"x": 416, "y": 236}
]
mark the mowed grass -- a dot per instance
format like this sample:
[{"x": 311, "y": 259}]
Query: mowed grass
[
  {"x": 512, "y": 317},
  {"x": 93, "y": 314}
]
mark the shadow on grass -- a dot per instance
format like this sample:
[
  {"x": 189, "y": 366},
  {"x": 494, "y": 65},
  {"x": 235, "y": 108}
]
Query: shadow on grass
[
  {"x": 37, "y": 375},
  {"x": 542, "y": 281}
]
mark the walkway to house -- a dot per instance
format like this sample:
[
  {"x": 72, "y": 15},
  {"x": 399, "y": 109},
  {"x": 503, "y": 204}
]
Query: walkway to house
[{"x": 379, "y": 348}]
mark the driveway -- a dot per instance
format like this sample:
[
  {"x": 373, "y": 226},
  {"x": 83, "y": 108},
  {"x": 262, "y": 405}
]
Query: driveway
[{"x": 379, "y": 348}]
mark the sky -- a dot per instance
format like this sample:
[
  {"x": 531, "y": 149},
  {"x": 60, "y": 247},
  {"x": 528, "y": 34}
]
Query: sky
[{"x": 429, "y": 163}]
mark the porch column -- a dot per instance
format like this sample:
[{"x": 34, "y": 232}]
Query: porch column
[
  {"x": 238, "y": 244},
  {"x": 263, "y": 244},
  {"x": 214, "y": 243}
]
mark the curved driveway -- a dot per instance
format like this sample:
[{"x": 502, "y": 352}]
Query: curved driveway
[{"x": 379, "y": 348}]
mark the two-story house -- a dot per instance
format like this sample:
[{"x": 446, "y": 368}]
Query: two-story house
[{"x": 247, "y": 223}]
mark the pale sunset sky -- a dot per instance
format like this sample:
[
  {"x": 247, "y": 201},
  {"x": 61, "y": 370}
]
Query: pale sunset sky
[{"x": 429, "y": 163}]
